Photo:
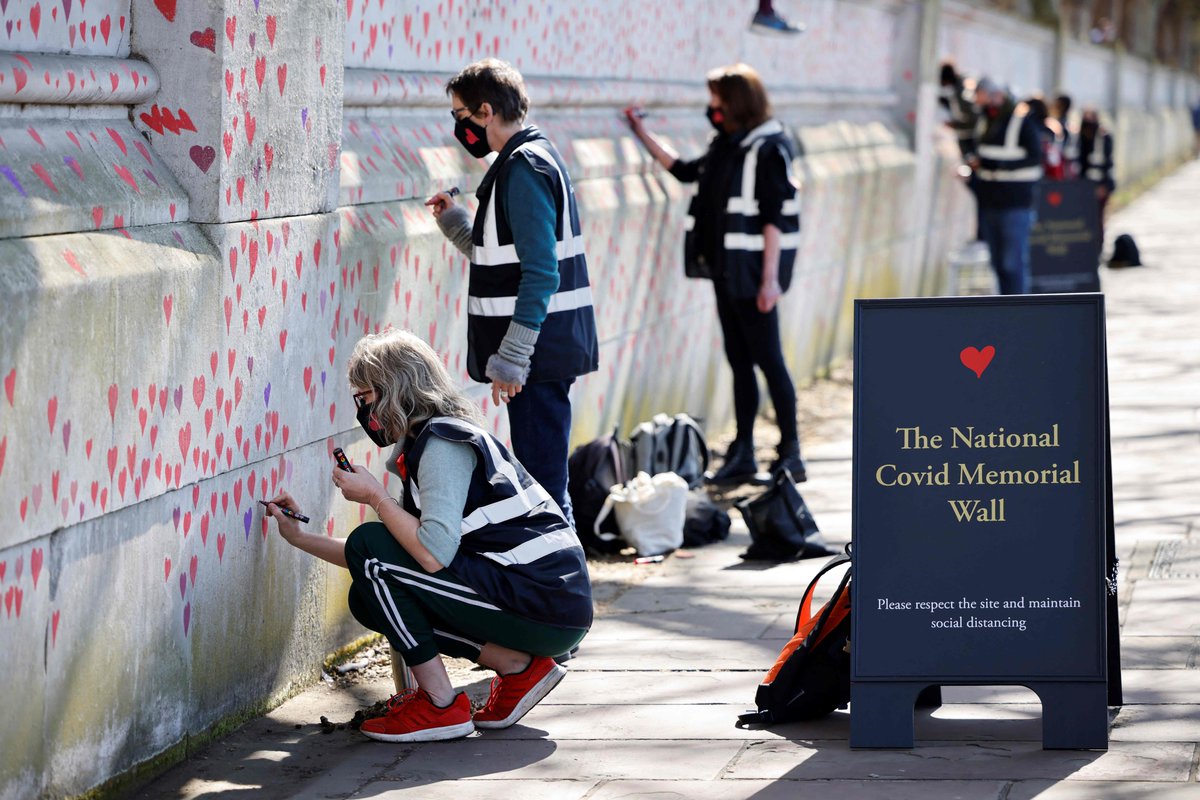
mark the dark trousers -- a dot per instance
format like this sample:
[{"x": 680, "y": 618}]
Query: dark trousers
[
  {"x": 424, "y": 614},
  {"x": 752, "y": 339},
  {"x": 539, "y": 423},
  {"x": 1007, "y": 231},
  {"x": 1102, "y": 203}
]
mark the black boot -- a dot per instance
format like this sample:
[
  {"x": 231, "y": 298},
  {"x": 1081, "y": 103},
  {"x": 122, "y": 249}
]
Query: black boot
[
  {"x": 739, "y": 466},
  {"x": 789, "y": 458}
]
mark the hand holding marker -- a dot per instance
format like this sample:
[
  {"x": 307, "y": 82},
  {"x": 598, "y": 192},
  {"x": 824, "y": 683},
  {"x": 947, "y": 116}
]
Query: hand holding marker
[
  {"x": 442, "y": 201},
  {"x": 287, "y": 512},
  {"x": 342, "y": 462}
]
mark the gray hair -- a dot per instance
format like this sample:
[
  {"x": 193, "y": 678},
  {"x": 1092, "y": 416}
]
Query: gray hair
[{"x": 411, "y": 385}]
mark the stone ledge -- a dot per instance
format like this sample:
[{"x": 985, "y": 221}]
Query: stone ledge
[
  {"x": 75, "y": 79},
  {"x": 366, "y": 88},
  {"x": 71, "y": 175}
]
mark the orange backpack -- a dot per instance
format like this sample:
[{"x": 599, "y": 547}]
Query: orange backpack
[{"x": 811, "y": 677}]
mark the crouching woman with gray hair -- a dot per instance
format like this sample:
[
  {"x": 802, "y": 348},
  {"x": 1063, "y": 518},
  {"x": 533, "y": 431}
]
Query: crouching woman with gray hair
[{"x": 475, "y": 561}]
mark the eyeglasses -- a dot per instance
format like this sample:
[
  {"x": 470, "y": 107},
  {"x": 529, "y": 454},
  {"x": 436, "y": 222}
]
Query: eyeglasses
[
  {"x": 454, "y": 112},
  {"x": 360, "y": 399}
]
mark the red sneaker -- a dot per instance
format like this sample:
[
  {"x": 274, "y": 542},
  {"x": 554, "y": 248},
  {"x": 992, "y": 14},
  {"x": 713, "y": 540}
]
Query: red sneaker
[
  {"x": 412, "y": 717},
  {"x": 513, "y": 695}
]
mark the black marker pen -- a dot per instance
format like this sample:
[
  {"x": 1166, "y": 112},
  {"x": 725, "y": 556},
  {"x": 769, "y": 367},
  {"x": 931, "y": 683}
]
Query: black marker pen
[{"x": 287, "y": 512}]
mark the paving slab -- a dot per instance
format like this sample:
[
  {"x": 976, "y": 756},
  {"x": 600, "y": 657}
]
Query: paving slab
[
  {"x": 1156, "y": 652},
  {"x": 1109, "y": 790},
  {"x": 960, "y": 761},
  {"x": 705, "y": 621},
  {"x": 546, "y": 759},
  {"x": 1158, "y": 608},
  {"x": 587, "y": 688},
  {"x": 733, "y": 789},
  {"x": 1152, "y": 687},
  {"x": 480, "y": 789},
  {"x": 1158, "y": 723},
  {"x": 683, "y": 654}
]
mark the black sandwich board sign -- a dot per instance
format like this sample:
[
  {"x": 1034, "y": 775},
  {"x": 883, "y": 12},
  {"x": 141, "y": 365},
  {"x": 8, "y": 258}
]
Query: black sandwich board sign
[
  {"x": 1064, "y": 246},
  {"x": 982, "y": 538}
]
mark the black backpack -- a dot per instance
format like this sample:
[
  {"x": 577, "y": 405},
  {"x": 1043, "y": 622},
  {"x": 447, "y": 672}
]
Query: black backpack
[
  {"x": 670, "y": 444},
  {"x": 705, "y": 522},
  {"x": 811, "y": 677},
  {"x": 1125, "y": 252},
  {"x": 593, "y": 469}
]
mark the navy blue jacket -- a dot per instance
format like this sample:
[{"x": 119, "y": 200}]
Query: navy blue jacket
[
  {"x": 517, "y": 550},
  {"x": 567, "y": 346},
  {"x": 744, "y": 183}
]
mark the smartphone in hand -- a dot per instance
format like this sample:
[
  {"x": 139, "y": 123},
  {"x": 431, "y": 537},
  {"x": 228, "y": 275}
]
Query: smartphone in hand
[{"x": 287, "y": 512}]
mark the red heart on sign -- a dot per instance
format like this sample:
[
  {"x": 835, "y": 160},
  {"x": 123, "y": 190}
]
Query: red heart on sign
[
  {"x": 1054, "y": 199},
  {"x": 977, "y": 360}
]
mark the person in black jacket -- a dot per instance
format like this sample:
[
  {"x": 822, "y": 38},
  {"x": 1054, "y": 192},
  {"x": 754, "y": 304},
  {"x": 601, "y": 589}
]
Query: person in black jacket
[
  {"x": 1006, "y": 158},
  {"x": 531, "y": 328},
  {"x": 1091, "y": 151},
  {"x": 742, "y": 230},
  {"x": 959, "y": 102},
  {"x": 473, "y": 561}
]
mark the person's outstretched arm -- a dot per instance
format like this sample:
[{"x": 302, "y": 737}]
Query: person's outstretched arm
[
  {"x": 686, "y": 171},
  {"x": 324, "y": 548}
]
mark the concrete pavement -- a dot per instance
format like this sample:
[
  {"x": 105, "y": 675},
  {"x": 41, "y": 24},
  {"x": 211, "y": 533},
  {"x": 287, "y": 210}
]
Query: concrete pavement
[{"x": 649, "y": 706}]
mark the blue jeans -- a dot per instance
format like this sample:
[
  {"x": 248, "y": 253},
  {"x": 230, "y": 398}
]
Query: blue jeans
[
  {"x": 539, "y": 422},
  {"x": 1006, "y": 231}
]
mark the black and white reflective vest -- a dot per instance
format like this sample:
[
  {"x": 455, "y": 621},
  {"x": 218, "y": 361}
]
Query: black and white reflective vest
[
  {"x": 517, "y": 549},
  {"x": 960, "y": 106},
  {"x": 1010, "y": 160},
  {"x": 1094, "y": 164},
  {"x": 743, "y": 235},
  {"x": 567, "y": 346}
]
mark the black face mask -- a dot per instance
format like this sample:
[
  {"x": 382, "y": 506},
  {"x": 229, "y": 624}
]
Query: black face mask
[
  {"x": 716, "y": 118},
  {"x": 472, "y": 136},
  {"x": 1090, "y": 128},
  {"x": 366, "y": 418}
]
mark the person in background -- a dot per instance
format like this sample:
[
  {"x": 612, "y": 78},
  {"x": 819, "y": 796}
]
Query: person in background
[
  {"x": 1196, "y": 128},
  {"x": 1052, "y": 136},
  {"x": 475, "y": 561},
  {"x": 1007, "y": 163},
  {"x": 768, "y": 20},
  {"x": 742, "y": 230},
  {"x": 1090, "y": 149},
  {"x": 531, "y": 329},
  {"x": 958, "y": 99},
  {"x": 1060, "y": 110}
]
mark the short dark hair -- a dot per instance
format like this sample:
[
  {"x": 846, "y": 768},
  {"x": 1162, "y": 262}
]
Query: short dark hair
[
  {"x": 949, "y": 75},
  {"x": 1037, "y": 108},
  {"x": 495, "y": 82},
  {"x": 1063, "y": 101},
  {"x": 742, "y": 92}
]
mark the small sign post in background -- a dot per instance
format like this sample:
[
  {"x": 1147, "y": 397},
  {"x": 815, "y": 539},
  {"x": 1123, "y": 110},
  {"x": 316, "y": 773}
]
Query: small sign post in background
[
  {"x": 1064, "y": 246},
  {"x": 981, "y": 497}
]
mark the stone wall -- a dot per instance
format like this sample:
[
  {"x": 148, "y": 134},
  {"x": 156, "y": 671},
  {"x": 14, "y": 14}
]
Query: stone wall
[{"x": 206, "y": 204}]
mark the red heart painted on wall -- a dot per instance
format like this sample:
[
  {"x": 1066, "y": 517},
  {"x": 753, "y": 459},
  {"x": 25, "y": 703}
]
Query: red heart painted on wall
[
  {"x": 206, "y": 39},
  {"x": 202, "y": 156}
]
